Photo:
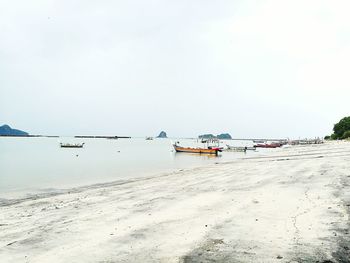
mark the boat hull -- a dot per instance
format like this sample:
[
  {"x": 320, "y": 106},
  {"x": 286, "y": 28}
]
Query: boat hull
[
  {"x": 68, "y": 145},
  {"x": 65, "y": 146},
  {"x": 196, "y": 150},
  {"x": 275, "y": 145}
]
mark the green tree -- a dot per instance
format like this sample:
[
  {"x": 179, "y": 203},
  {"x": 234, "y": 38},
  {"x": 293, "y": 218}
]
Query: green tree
[
  {"x": 346, "y": 135},
  {"x": 334, "y": 137},
  {"x": 341, "y": 127}
]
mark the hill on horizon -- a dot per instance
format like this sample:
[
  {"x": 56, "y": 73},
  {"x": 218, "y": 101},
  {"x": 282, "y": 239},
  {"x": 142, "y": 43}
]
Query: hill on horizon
[{"x": 6, "y": 130}]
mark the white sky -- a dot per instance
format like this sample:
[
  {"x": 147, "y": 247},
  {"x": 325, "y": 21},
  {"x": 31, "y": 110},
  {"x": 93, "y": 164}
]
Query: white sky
[{"x": 251, "y": 68}]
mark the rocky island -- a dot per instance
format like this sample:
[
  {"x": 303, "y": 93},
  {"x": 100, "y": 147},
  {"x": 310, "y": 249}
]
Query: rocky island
[
  {"x": 6, "y": 130},
  {"x": 224, "y": 136},
  {"x": 162, "y": 134}
]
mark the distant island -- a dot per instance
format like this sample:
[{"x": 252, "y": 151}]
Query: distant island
[
  {"x": 222, "y": 136},
  {"x": 162, "y": 134},
  {"x": 6, "y": 130},
  {"x": 207, "y": 136}
]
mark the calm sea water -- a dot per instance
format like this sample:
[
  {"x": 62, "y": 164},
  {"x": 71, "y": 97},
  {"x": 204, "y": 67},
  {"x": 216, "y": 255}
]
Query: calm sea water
[{"x": 29, "y": 165}]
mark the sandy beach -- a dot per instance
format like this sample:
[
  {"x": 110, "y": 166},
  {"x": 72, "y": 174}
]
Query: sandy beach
[{"x": 292, "y": 205}]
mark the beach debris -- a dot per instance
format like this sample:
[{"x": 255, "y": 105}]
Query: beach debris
[
  {"x": 218, "y": 241},
  {"x": 11, "y": 243}
]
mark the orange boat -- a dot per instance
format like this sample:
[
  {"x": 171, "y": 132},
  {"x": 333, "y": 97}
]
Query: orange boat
[{"x": 209, "y": 150}]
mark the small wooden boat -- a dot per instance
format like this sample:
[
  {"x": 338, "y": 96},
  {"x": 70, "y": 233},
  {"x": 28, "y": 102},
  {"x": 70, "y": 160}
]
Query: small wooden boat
[
  {"x": 70, "y": 145},
  {"x": 209, "y": 150},
  {"x": 266, "y": 145}
]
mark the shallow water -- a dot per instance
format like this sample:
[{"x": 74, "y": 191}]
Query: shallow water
[{"x": 39, "y": 164}]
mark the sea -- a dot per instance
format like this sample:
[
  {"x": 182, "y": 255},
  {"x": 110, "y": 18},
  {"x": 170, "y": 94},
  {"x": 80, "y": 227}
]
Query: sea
[{"x": 30, "y": 165}]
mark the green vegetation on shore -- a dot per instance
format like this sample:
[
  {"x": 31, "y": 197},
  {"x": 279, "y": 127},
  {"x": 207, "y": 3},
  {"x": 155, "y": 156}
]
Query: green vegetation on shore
[{"x": 341, "y": 130}]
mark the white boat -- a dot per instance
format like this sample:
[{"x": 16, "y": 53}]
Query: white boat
[
  {"x": 240, "y": 149},
  {"x": 259, "y": 141}
]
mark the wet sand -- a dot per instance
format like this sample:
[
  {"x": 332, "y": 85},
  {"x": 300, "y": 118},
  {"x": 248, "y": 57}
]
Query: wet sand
[{"x": 290, "y": 206}]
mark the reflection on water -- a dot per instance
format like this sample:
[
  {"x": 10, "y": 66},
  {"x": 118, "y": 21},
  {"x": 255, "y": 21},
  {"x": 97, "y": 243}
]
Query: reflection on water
[
  {"x": 181, "y": 156},
  {"x": 30, "y": 164}
]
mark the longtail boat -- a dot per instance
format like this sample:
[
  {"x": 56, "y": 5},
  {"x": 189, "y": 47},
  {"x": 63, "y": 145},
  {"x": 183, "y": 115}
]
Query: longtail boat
[{"x": 209, "y": 150}]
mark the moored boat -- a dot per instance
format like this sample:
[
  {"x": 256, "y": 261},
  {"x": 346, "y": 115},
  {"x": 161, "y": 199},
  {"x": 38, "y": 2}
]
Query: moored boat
[
  {"x": 259, "y": 141},
  {"x": 70, "y": 145},
  {"x": 266, "y": 145},
  {"x": 209, "y": 150},
  {"x": 306, "y": 141},
  {"x": 240, "y": 149}
]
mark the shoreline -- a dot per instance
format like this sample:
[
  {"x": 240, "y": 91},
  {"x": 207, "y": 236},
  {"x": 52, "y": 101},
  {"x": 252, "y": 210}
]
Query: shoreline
[
  {"x": 44, "y": 192},
  {"x": 47, "y": 191},
  {"x": 289, "y": 206}
]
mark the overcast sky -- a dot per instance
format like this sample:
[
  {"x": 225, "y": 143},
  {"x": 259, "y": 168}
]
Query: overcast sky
[{"x": 250, "y": 68}]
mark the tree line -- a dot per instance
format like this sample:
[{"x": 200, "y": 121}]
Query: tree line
[{"x": 341, "y": 130}]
